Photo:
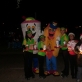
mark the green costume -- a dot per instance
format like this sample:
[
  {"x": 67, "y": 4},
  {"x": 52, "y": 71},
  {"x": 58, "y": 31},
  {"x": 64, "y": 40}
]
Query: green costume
[
  {"x": 40, "y": 45},
  {"x": 64, "y": 38},
  {"x": 28, "y": 42}
]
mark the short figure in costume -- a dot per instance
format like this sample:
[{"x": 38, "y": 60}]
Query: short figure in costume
[
  {"x": 52, "y": 35},
  {"x": 41, "y": 56},
  {"x": 72, "y": 55},
  {"x": 28, "y": 44},
  {"x": 35, "y": 27}
]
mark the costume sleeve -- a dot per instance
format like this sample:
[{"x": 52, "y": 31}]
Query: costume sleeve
[
  {"x": 66, "y": 38},
  {"x": 39, "y": 45},
  {"x": 24, "y": 42}
]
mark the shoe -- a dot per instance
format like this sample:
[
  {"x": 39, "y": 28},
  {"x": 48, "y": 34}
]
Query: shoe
[{"x": 47, "y": 73}]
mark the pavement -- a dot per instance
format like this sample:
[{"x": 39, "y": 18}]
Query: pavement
[{"x": 12, "y": 69}]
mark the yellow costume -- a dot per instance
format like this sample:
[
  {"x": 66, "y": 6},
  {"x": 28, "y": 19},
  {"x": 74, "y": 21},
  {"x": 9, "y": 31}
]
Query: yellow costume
[{"x": 52, "y": 33}]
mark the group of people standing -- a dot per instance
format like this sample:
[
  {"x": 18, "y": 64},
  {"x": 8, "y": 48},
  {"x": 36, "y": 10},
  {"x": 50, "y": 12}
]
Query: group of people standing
[{"x": 70, "y": 50}]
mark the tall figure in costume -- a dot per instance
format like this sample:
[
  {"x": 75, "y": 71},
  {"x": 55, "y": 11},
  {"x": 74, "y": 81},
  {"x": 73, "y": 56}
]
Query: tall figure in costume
[
  {"x": 52, "y": 36},
  {"x": 35, "y": 26}
]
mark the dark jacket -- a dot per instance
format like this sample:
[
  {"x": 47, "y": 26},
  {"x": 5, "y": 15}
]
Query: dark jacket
[{"x": 79, "y": 56}]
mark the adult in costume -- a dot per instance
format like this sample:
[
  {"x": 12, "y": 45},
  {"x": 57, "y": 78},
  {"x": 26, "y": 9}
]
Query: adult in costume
[
  {"x": 52, "y": 36},
  {"x": 35, "y": 26}
]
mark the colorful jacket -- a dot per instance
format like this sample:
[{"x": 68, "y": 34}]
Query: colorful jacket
[
  {"x": 28, "y": 42},
  {"x": 52, "y": 42},
  {"x": 41, "y": 52},
  {"x": 64, "y": 38},
  {"x": 71, "y": 45}
]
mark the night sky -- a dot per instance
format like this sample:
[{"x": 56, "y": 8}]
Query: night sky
[{"x": 64, "y": 12}]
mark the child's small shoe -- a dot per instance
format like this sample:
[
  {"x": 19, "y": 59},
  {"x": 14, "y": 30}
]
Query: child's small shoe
[{"x": 47, "y": 73}]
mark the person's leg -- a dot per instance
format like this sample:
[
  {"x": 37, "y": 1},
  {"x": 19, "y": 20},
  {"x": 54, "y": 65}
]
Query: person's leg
[
  {"x": 35, "y": 64},
  {"x": 79, "y": 72},
  {"x": 41, "y": 66},
  {"x": 48, "y": 62},
  {"x": 48, "y": 66},
  {"x": 72, "y": 65},
  {"x": 66, "y": 63},
  {"x": 75, "y": 66},
  {"x": 54, "y": 66},
  {"x": 54, "y": 63},
  {"x": 30, "y": 65},
  {"x": 26, "y": 69}
]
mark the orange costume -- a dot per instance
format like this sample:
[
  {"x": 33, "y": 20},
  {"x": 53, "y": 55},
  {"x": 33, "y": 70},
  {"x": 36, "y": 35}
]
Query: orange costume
[{"x": 52, "y": 34}]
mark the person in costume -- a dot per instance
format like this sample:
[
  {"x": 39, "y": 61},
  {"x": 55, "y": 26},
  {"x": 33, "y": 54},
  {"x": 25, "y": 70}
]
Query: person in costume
[
  {"x": 41, "y": 56},
  {"x": 78, "y": 51},
  {"x": 35, "y": 27},
  {"x": 64, "y": 52},
  {"x": 73, "y": 57},
  {"x": 52, "y": 35},
  {"x": 28, "y": 43}
]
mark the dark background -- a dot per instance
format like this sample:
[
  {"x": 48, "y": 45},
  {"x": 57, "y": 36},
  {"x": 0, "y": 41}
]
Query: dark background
[{"x": 67, "y": 14}]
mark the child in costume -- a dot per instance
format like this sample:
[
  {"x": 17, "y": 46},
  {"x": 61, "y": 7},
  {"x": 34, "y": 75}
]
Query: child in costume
[
  {"x": 52, "y": 33},
  {"x": 73, "y": 57},
  {"x": 78, "y": 50},
  {"x": 41, "y": 56},
  {"x": 64, "y": 51},
  {"x": 28, "y": 55}
]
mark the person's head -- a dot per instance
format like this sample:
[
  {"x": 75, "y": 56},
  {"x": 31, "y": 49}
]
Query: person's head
[
  {"x": 42, "y": 38},
  {"x": 29, "y": 33},
  {"x": 71, "y": 36},
  {"x": 63, "y": 30},
  {"x": 81, "y": 37}
]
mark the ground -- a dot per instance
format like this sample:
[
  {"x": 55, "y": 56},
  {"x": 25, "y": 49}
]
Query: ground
[{"x": 12, "y": 68}]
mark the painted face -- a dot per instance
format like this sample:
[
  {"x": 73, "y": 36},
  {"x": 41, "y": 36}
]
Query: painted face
[
  {"x": 51, "y": 32},
  {"x": 32, "y": 27}
]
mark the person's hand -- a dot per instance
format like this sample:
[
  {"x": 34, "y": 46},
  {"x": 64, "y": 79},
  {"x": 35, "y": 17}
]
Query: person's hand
[
  {"x": 31, "y": 47},
  {"x": 61, "y": 46}
]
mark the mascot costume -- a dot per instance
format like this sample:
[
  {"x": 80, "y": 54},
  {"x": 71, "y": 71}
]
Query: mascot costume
[
  {"x": 35, "y": 26},
  {"x": 52, "y": 34}
]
